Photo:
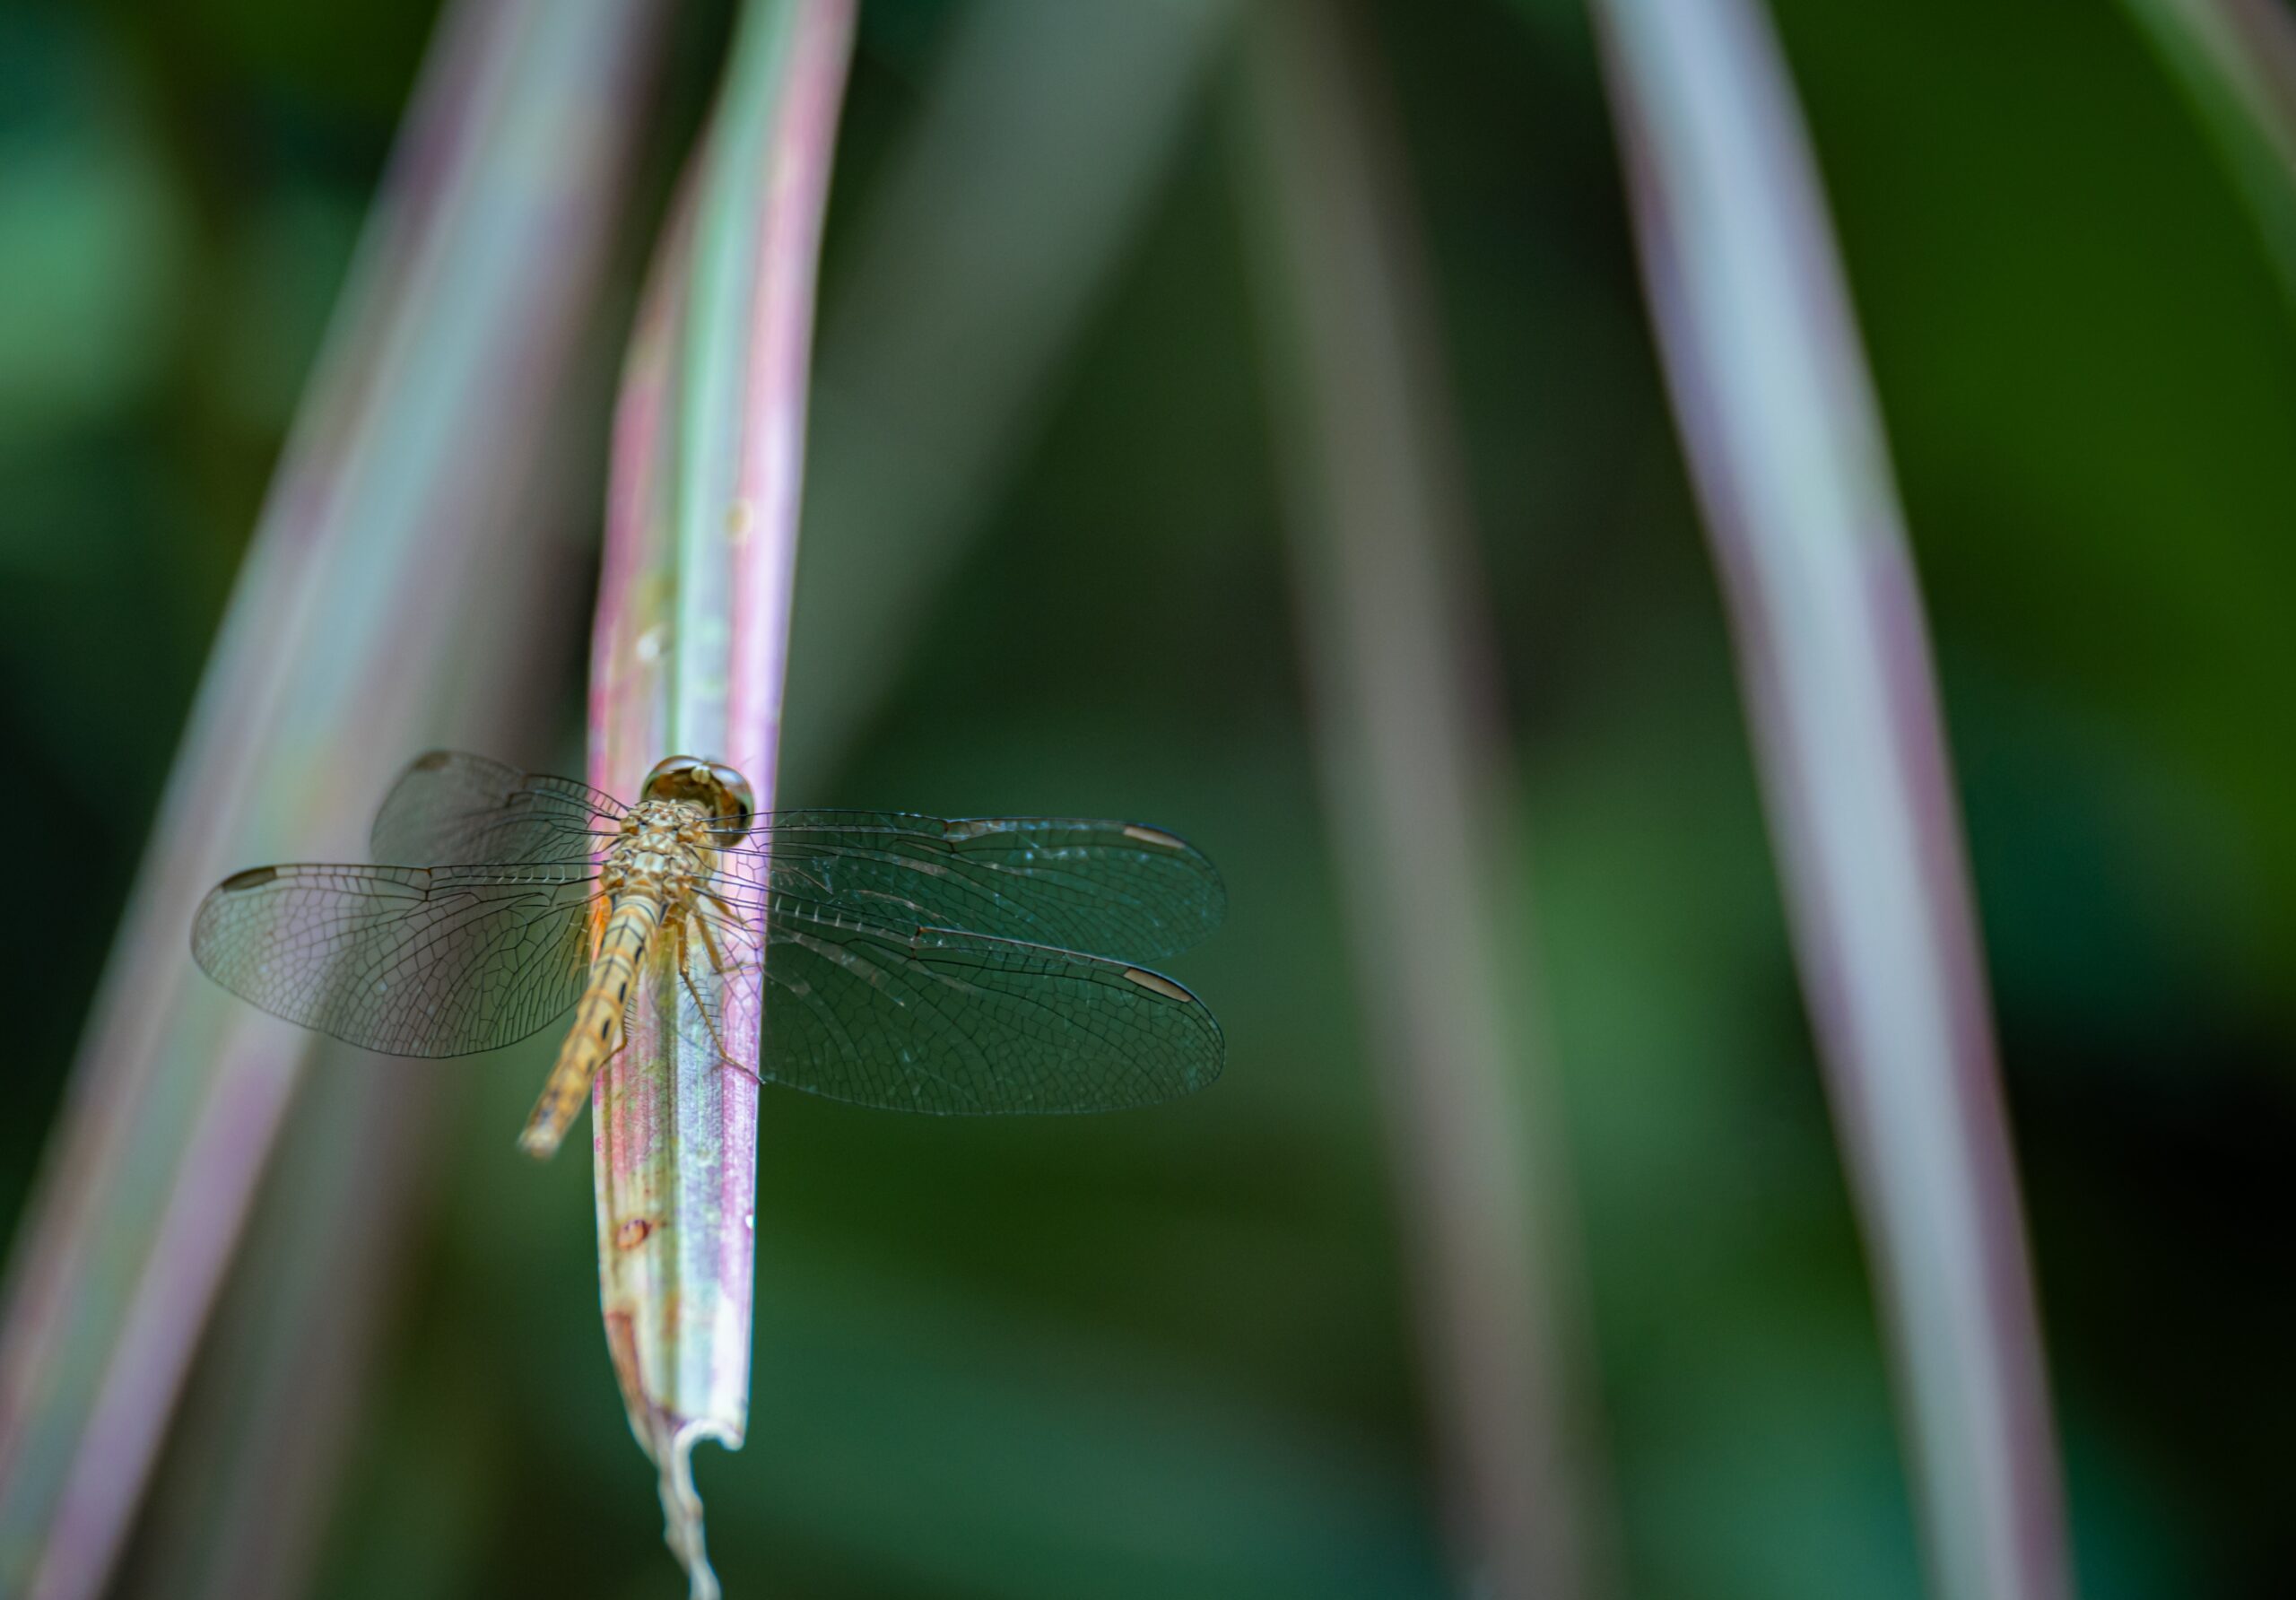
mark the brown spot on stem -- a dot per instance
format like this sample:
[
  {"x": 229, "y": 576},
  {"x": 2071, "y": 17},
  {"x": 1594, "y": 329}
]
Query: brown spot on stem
[{"x": 632, "y": 1233}]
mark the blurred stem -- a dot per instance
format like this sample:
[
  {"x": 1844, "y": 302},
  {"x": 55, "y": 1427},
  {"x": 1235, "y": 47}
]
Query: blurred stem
[
  {"x": 240, "y": 1506},
  {"x": 249, "y": 1484},
  {"x": 1777, "y": 413},
  {"x": 689, "y": 655},
  {"x": 409, "y": 452},
  {"x": 2236, "y": 60},
  {"x": 1042, "y": 145},
  {"x": 1412, "y": 744}
]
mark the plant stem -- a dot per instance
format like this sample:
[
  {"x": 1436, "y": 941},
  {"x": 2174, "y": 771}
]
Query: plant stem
[
  {"x": 1777, "y": 413},
  {"x": 689, "y": 655},
  {"x": 2236, "y": 61},
  {"x": 1040, "y": 149},
  {"x": 1402, "y": 667}
]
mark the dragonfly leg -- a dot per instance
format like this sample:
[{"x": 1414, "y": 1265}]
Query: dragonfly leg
[
  {"x": 723, "y": 905},
  {"x": 688, "y": 925}
]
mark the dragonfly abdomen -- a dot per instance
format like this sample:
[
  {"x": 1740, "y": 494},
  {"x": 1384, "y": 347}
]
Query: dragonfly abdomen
[{"x": 597, "y": 1030}]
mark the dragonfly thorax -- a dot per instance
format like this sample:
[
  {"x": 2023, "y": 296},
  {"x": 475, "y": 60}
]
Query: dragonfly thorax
[{"x": 663, "y": 850}]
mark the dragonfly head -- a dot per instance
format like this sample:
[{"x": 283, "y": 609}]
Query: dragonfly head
[{"x": 724, "y": 794}]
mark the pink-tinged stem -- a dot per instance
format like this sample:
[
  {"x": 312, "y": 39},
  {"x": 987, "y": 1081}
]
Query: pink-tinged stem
[
  {"x": 690, "y": 657},
  {"x": 1776, "y": 407},
  {"x": 409, "y": 454},
  {"x": 1400, "y": 657}
]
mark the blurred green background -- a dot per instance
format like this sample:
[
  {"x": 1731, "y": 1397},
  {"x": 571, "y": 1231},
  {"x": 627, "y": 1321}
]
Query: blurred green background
[{"x": 1171, "y": 1353}]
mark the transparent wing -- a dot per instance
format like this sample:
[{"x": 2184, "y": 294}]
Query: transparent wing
[
  {"x": 953, "y": 1022},
  {"x": 409, "y": 961},
  {"x": 1114, "y": 888},
  {"x": 447, "y": 807}
]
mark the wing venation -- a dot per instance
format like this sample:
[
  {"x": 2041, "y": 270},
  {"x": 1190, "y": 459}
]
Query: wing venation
[{"x": 408, "y": 960}]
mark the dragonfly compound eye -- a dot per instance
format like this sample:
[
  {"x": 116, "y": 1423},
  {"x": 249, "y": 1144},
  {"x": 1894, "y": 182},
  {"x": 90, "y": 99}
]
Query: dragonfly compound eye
[{"x": 720, "y": 791}]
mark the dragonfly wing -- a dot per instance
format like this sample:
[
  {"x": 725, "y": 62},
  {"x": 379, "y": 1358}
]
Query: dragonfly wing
[
  {"x": 1115, "y": 888},
  {"x": 951, "y": 1022},
  {"x": 452, "y": 807},
  {"x": 408, "y": 960}
]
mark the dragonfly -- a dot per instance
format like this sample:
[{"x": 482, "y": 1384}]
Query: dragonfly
[{"x": 980, "y": 965}]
